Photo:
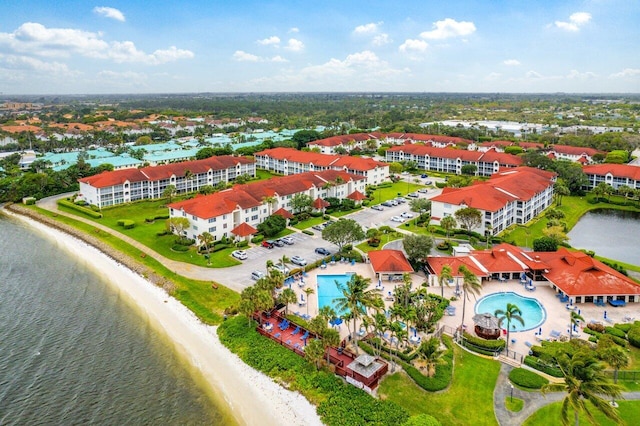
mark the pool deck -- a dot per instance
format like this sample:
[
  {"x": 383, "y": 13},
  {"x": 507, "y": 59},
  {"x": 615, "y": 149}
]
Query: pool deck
[{"x": 557, "y": 313}]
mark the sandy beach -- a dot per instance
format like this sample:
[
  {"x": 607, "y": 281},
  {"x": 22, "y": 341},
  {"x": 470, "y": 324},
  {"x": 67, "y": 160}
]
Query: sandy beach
[{"x": 251, "y": 397}]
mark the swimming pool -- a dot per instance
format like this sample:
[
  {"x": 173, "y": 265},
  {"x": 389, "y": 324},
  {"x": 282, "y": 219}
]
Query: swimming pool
[
  {"x": 533, "y": 313},
  {"x": 328, "y": 289}
]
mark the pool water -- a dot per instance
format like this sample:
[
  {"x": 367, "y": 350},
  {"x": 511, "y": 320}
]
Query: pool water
[
  {"x": 328, "y": 289},
  {"x": 533, "y": 313}
]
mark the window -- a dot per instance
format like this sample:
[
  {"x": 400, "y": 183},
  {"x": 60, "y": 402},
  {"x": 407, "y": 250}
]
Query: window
[
  {"x": 212, "y": 220},
  {"x": 194, "y": 217},
  {"x": 212, "y": 229},
  {"x": 195, "y": 228},
  {"x": 254, "y": 217}
]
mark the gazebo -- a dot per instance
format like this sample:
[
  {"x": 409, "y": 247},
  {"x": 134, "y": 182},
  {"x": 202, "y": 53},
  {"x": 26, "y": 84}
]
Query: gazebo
[
  {"x": 357, "y": 196},
  {"x": 320, "y": 204},
  {"x": 366, "y": 370},
  {"x": 487, "y": 326},
  {"x": 284, "y": 213},
  {"x": 244, "y": 230}
]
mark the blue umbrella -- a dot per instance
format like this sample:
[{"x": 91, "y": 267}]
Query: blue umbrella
[
  {"x": 540, "y": 331},
  {"x": 605, "y": 314}
]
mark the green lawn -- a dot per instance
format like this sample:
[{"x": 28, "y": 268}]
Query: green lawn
[
  {"x": 341, "y": 213},
  {"x": 470, "y": 395},
  {"x": 147, "y": 233},
  {"x": 387, "y": 193},
  {"x": 264, "y": 175},
  {"x": 514, "y": 404},
  {"x": 208, "y": 304},
  {"x": 309, "y": 223},
  {"x": 384, "y": 239},
  {"x": 550, "y": 414}
]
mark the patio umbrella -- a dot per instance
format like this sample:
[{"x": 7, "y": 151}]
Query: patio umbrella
[
  {"x": 540, "y": 331},
  {"x": 605, "y": 314},
  {"x": 570, "y": 301},
  {"x": 578, "y": 311}
]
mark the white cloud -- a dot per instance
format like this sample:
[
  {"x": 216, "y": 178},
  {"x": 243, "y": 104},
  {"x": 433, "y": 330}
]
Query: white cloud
[
  {"x": 511, "y": 62},
  {"x": 381, "y": 39},
  {"x": 278, "y": 59},
  {"x": 293, "y": 30},
  {"x": 273, "y": 40},
  {"x": 242, "y": 56},
  {"x": 370, "y": 28},
  {"x": 119, "y": 76},
  {"x": 576, "y": 75},
  {"x": 626, "y": 73},
  {"x": 493, "y": 76},
  {"x": 449, "y": 28},
  {"x": 576, "y": 20},
  {"x": 26, "y": 63},
  {"x": 413, "y": 45},
  {"x": 294, "y": 45},
  {"x": 36, "y": 39},
  {"x": 109, "y": 12},
  {"x": 534, "y": 75}
]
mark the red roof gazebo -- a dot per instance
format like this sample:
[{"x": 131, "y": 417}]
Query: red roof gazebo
[
  {"x": 284, "y": 213},
  {"x": 357, "y": 196},
  {"x": 244, "y": 230},
  {"x": 320, "y": 204}
]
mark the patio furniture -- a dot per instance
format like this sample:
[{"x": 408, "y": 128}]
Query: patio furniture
[
  {"x": 554, "y": 335},
  {"x": 288, "y": 342},
  {"x": 296, "y": 331},
  {"x": 305, "y": 335},
  {"x": 277, "y": 335},
  {"x": 296, "y": 346},
  {"x": 528, "y": 344},
  {"x": 617, "y": 303}
]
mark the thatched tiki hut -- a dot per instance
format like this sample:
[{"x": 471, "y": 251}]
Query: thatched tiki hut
[{"x": 487, "y": 326}]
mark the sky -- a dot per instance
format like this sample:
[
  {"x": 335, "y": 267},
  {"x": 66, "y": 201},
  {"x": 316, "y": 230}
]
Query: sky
[{"x": 133, "y": 46}]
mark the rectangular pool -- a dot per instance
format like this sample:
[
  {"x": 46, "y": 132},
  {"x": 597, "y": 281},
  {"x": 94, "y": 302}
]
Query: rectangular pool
[{"x": 328, "y": 289}]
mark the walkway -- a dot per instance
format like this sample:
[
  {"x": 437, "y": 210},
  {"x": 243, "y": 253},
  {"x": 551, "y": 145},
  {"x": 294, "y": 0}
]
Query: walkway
[{"x": 533, "y": 401}]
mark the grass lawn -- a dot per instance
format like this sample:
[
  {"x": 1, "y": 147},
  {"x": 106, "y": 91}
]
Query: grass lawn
[
  {"x": 147, "y": 233},
  {"x": 312, "y": 221},
  {"x": 206, "y": 303},
  {"x": 550, "y": 414},
  {"x": 514, "y": 404},
  {"x": 263, "y": 175},
  {"x": 384, "y": 239},
  {"x": 470, "y": 395},
  {"x": 392, "y": 191},
  {"x": 340, "y": 214}
]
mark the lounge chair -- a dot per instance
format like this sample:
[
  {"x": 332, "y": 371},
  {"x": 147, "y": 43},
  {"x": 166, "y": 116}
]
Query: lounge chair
[
  {"x": 296, "y": 346},
  {"x": 296, "y": 331},
  {"x": 528, "y": 344},
  {"x": 277, "y": 335},
  {"x": 305, "y": 335},
  {"x": 554, "y": 335},
  {"x": 288, "y": 342}
]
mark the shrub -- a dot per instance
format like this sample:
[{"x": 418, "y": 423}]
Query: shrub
[
  {"x": 178, "y": 247},
  {"x": 624, "y": 327},
  {"x": 257, "y": 239},
  {"x": 496, "y": 345},
  {"x": 29, "y": 201},
  {"x": 184, "y": 241},
  {"x": 615, "y": 332},
  {"x": 161, "y": 216},
  {"x": 129, "y": 224},
  {"x": 527, "y": 379},
  {"x": 162, "y": 233},
  {"x": 634, "y": 335},
  {"x": 596, "y": 327},
  {"x": 149, "y": 219},
  {"x": 243, "y": 243},
  {"x": 306, "y": 231},
  {"x": 540, "y": 365},
  {"x": 80, "y": 209},
  {"x": 218, "y": 247}
]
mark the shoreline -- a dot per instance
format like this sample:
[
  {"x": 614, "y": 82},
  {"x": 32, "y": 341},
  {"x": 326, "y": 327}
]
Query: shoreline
[{"x": 245, "y": 394}]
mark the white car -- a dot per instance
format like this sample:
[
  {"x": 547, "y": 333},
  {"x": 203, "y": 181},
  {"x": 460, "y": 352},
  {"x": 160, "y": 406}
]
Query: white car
[
  {"x": 377, "y": 207},
  {"x": 407, "y": 215},
  {"x": 297, "y": 260},
  {"x": 281, "y": 268},
  {"x": 397, "y": 219},
  {"x": 423, "y": 190},
  {"x": 256, "y": 275},
  {"x": 239, "y": 254},
  {"x": 287, "y": 240}
]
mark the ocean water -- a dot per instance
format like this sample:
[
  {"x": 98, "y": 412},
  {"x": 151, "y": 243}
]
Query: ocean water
[{"x": 73, "y": 352}]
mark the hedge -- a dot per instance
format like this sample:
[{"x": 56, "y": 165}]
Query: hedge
[
  {"x": 534, "y": 362},
  {"x": 492, "y": 345},
  {"x": 178, "y": 247},
  {"x": 634, "y": 335},
  {"x": 527, "y": 379},
  {"x": 80, "y": 209},
  {"x": 126, "y": 223},
  {"x": 257, "y": 239},
  {"x": 243, "y": 243},
  {"x": 624, "y": 327},
  {"x": 306, "y": 231},
  {"x": 615, "y": 332},
  {"x": 342, "y": 403}
]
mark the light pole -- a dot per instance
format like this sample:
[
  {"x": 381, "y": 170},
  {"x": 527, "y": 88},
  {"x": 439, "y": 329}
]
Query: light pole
[{"x": 511, "y": 384}]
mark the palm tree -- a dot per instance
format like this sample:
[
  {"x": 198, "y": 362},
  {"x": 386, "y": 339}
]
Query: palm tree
[
  {"x": 470, "y": 284},
  {"x": 269, "y": 200},
  {"x": 429, "y": 351},
  {"x": 206, "y": 239},
  {"x": 284, "y": 260},
  {"x": 445, "y": 278},
  {"x": 308, "y": 291},
  {"x": 560, "y": 190},
  {"x": 617, "y": 359},
  {"x": 448, "y": 223},
  {"x": 575, "y": 319},
  {"x": 356, "y": 298},
  {"x": 330, "y": 338},
  {"x": 169, "y": 192},
  {"x": 584, "y": 380},
  {"x": 188, "y": 177},
  {"x": 511, "y": 313},
  {"x": 286, "y": 297},
  {"x": 400, "y": 333},
  {"x": 314, "y": 352}
]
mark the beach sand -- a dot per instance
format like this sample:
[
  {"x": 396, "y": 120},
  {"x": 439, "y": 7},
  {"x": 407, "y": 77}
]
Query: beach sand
[{"x": 252, "y": 398}]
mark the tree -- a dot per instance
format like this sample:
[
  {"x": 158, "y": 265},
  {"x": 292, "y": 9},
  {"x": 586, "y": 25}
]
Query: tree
[
  {"x": 188, "y": 177},
  {"x": 429, "y": 351},
  {"x": 206, "y": 189},
  {"x": 330, "y": 338},
  {"x": 458, "y": 181},
  {"x": 342, "y": 232},
  {"x": 445, "y": 278},
  {"x": 395, "y": 168},
  {"x": 178, "y": 225},
  {"x": 301, "y": 202},
  {"x": 205, "y": 152},
  {"x": 417, "y": 247},
  {"x": 572, "y": 175},
  {"x": 584, "y": 380},
  {"x": 469, "y": 169},
  {"x": 169, "y": 192},
  {"x": 602, "y": 189},
  {"x": 556, "y": 233},
  {"x": 206, "y": 240},
  {"x": 470, "y": 284},
  {"x": 272, "y": 225},
  {"x": 356, "y": 298},
  {"x": 448, "y": 223},
  {"x": 314, "y": 352},
  {"x": 545, "y": 244},
  {"x": 574, "y": 321},
  {"x": 512, "y": 312},
  {"x": 420, "y": 205},
  {"x": 615, "y": 356},
  {"x": 560, "y": 191},
  {"x": 308, "y": 291},
  {"x": 469, "y": 218},
  {"x": 255, "y": 298},
  {"x": 303, "y": 137},
  {"x": 143, "y": 140},
  {"x": 286, "y": 297}
]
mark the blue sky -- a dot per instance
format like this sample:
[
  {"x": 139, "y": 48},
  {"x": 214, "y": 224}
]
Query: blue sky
[{"x": 84, "y": 46}]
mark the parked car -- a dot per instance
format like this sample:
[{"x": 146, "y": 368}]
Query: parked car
[
  {"x": 239, "y": 254},
  {"x": 401, "y": 200},
  {"x": 279, "y": 243},
  {"x": 407, "y": 215},
  {"x": 377, "y": 207},
  {"x": 323, "y": 251},
  {"x": 256, "y": 275},
  {"x": 297, "y": 260},
  {"x": 287, "y": 240},
  {"x": 280, "y": 267},
  {"x": 413, "y": 195},
  {"x": 397, "y": 219},
  {"x": 429, "y": 182},
  {"x": 424, "y": 176},
  {"x": 388, "y": 204},
  {"x": 268, "y": 244},
  {"x": 423, "y": 190},
  {"x": 318, "y": 227},
  {"x": 394, "y": 202}
]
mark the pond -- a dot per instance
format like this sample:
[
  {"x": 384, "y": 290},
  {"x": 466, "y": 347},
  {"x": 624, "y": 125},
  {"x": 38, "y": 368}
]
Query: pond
[{"x": 613, "y": 234}]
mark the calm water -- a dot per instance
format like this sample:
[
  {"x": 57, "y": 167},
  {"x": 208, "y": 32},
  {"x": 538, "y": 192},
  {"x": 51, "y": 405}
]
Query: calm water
[
  {"x": 73, "y": 352},
  {"x": 328, "y": 289},
  {"x": 533, "y": 313},
  {"x": 610, "y": 233}
]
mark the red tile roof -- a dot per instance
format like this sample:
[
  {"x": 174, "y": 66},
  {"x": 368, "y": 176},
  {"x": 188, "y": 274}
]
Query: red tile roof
[
  {"x": 284, "y": 213},
  {"x": 345, "y": 139},
  {"x": 429, "y": 138},
  {"x": 116, "y": 177},
  {"x": 357, "y": 196},
  {"x": 436, "y": 264},
  {"x": 319, "y": 203},
  {"x": 322, "y": 160},
  {"x": 244, "y": 230},
  {"x": 617, "y": 170},
  {"x": 384, "y": 261},
  {"x": 521, "y": 183},
  {"x": 576, "y": 150},
  {"x": 432, "y": 151},
  {"x": 492, "y": 156}
]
